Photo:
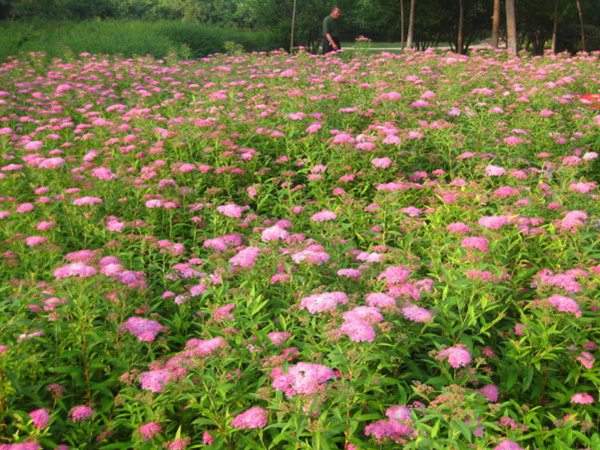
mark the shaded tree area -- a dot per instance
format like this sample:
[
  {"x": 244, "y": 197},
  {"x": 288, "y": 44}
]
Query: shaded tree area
[{"x": 538, "y": 24}]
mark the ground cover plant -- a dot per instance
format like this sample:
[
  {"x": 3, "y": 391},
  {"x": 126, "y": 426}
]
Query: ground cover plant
[
  {"x": 299, "y": 252},
  {"x": 128, "y": 38}
]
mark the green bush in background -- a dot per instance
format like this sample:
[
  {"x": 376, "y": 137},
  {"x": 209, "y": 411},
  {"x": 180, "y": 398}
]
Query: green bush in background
[{"x": 128, "y": 38}]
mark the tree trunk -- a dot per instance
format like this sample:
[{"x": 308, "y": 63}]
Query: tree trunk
[
  {"x": 496, "y": 24},
  {"x": 411, "y": 25},
  {"x": 580, "y": 13},
  {"x": 555, "y": 27},
  {"x": 511, "y": 27},
  {"x": 460, "y": 39},
  {"x": 403, "y": 36}
]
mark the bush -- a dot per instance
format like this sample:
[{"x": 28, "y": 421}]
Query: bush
[
  {"x": 128, "y": 38},
  {"x": 569, "y": 38}
]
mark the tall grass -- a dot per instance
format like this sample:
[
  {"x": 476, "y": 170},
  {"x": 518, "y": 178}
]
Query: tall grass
[{"x": 127, "y": 38}]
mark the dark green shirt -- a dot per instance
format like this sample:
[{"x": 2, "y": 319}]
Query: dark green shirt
[{"x": 330, "y": 26}]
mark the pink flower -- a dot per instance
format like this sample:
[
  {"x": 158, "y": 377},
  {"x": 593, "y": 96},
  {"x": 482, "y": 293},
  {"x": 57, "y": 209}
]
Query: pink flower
[
  {"x": 457, "y": 356},
  {"x": 32, "y": 241},
  {"x": 349, "y": 273},
  {"x": 389, "y": 97},
  {"x": 232, "y": 210},
  {"x": 279, "y": 337},
  {"x": 178, "y": 444},
  {"x": 417, "y": 314},
  {"x": 388, "y": 429},
  {"x": 381, "y": 163},
  {"x": 507, "y": 445},
  {"x": 144, "y": 329},
  {"x": 51, "y": 163},
  {"x": 494, "y": 222},
  {"x": 245, "y": 258},
  {"x": 40, "y": 418},
  {"x": 313, "y": 128},
  {"x": 301, "y": 379},
  {"x": 149, "y": 430},
  {"x": 223, "y": 313},
  {"x": 458, "y": 228},
  {"x": 103, "y": 173},
  {"x": 573, "y": 220},
  {"x": 586, "y": 359},
  {"x": 80, "y": 413},
  {"x": 86, "y": 201},
  {"x": 342, "y": 138},
  {"x": 326, "y": 301},
  {"x": 565, "y": 304},
  {"x": 395, "y": 275},
  {"x": 274, "y": 233},
  {"x": 494, "y": 171},
  {"x": 24, "y": 208},
  {"x": 323, "y": 216},
  {"x": 76, "y": 269},
  {"x": 358, "y": 331},
  {"x": 380, "y": 300},
  {"x": 582, "y": 187},
  {"x": 255, "y": 417},
  {"x": 582, "y": 398},
  {"x": 411, "y": 211},
  {"x": 313, "y": 254},
  {"x": 207, "y": 438},
  {"x": 490, "y": 391},
  {"x": 29, "y": 445},
  {"x": 476, "y": 242},
  {"x": 155, "y": 380}
]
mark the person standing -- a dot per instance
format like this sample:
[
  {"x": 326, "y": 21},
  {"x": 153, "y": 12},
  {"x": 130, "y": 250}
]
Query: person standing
[{"x": 331, "y": 41}]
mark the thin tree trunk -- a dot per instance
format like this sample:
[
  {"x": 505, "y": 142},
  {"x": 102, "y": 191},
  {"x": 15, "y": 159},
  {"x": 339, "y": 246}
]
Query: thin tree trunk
[
  {"x": 496, "y": 24},
  {"x": 460, "y": 39},
  {"x": 580, "y": 13},
  {"x": 403, "y": 38},
  {"x": 511, "y": 27},
  {"x": 411, "y": 25},
  {"x": 293, "y": 28},
  {"x": 555, "y": 27}
]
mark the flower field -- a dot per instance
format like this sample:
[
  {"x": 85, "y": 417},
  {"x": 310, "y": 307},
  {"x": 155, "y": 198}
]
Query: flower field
[{"x": 273, "y": 252}]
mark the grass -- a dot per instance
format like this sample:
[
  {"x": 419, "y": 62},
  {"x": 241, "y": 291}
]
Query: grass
[{"x": 128, "y": 38}]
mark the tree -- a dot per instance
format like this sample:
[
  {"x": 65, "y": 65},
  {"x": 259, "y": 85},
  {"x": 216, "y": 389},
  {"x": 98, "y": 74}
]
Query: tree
[
  {"x": 555, "y": 26},
  {"x": 460, "y": 38},
  {"x": 511, "y": 27},
  {"x": 496, "y": 24},
  {"x": 411, "y": 25},
  {"x": 402, "y": 36},
  {"x": 582, "y": 26}
]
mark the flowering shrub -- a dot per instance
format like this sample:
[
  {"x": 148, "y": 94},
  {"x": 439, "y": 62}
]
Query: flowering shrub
[{"x": 272, "y": 251}]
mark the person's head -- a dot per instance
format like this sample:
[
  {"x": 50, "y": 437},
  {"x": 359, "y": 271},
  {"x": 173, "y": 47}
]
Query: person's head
[{"x": 336, "y": 12}]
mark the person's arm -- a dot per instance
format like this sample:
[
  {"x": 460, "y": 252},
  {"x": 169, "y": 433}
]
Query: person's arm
[
  {"x": 331, "y": 41},
  {"x": 327, "y": 34}
]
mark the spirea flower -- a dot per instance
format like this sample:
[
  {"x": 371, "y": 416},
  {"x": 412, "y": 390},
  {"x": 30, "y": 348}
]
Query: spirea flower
[
  {"x": 149, "y": 430},
  {"x": 255, "y": 417},
  {"x": 326, "y": 301},
  {"x": 565, "y": 305},
  {"x": 582, "y": 398},
  {"x": 145, "y": 330},
  {"x": 40, "y": 418},
  {"x": 457, "y": 356},
  {"x": 80, "y": 413}
]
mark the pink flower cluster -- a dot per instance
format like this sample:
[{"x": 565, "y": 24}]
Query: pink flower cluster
[
  {"x": 397, "y": 427},
  {"x": 457, "y": 356},
  {"x": 325, "y": 301},
  {"x": 255, "y": 417},
  {"x": 145, "y": 330},
  {"x": 301, "y": 379}
]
